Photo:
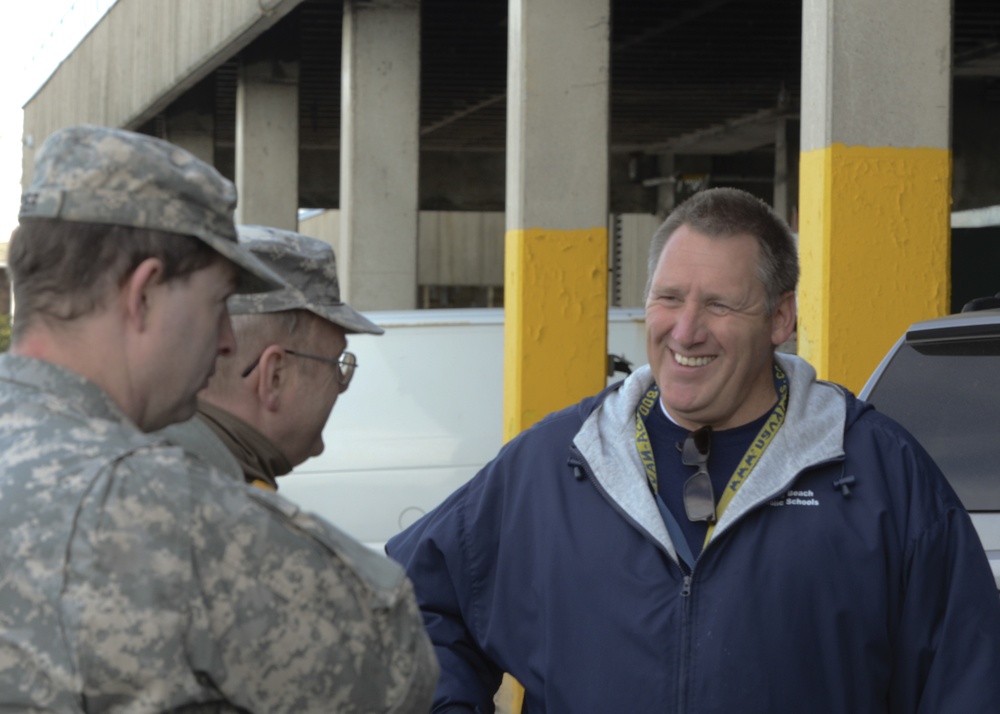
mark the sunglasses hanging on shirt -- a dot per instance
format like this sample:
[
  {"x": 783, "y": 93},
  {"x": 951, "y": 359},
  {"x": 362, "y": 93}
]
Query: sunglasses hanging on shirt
[{"x": 699, "y": 501}]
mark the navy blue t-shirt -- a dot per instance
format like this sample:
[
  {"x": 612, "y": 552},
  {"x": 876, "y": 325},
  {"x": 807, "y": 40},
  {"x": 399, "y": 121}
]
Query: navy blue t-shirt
[{"x": 727, "y": 449}]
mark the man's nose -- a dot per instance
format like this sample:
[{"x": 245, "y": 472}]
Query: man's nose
[{"x": 689, "y": 328}]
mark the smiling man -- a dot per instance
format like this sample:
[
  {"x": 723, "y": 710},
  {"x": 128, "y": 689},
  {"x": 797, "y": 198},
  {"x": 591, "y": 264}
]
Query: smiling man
[
  {"x": 712, "y": 328},
  {"x": 720, "y": 532},
  {"x": 132, "y": 577}
]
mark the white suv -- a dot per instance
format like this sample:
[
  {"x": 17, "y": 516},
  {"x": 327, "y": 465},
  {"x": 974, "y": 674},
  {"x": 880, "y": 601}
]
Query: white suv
[{"x": 941, "y": 381}]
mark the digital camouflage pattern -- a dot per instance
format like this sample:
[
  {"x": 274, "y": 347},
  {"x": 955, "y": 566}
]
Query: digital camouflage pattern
[
  {"x": 134, "y": 578},
  {"x": 309, "y": 267},
  {"x": 96, "y": 174}
]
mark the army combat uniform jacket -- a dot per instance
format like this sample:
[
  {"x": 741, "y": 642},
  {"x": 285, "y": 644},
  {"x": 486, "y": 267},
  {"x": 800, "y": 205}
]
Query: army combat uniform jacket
[{"x": 136, "y": 579}]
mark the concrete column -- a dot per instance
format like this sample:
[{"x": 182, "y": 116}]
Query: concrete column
[
  {"x": 781, "y": 156},
  {"x": 555, "y": 288},
  {"x": 667, "y": 191},
  {"x": 199, "y": 140},
  {"x": 380, "y": 147},
  {"x": 190, "y": 121},
  {"x": 267, "y": 142},
  {"x": 875, "y": 178},
  {"x": 786, "y": 170}
]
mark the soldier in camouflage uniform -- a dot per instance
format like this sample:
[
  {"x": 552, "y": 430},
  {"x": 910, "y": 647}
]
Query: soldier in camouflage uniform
[
  {"x": 134, "y": 578},
  {"x": 268, "y": 404}
]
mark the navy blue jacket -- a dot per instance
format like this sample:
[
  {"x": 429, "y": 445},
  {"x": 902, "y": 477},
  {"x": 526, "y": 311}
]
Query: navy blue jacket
[{"x": 553, "y": 564}]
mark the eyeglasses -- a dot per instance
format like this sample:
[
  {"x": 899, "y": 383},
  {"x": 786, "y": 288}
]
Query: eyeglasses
[
  {"x": 345, "y": 365},
  {"x": 699, "y": 501}
]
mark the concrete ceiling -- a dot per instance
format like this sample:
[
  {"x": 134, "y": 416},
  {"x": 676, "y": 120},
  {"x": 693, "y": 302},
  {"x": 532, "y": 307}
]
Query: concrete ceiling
[
  {"x": 697, "y": 78},
  {"x": 710, "y": 76}
]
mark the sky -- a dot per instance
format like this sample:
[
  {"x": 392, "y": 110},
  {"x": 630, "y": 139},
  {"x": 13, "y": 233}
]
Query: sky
[{"x": 35, "y": 37}]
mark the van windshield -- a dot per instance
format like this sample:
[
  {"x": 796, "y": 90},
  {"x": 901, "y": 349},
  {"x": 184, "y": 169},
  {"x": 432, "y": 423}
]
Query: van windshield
[{"x": 947, "y": 394}]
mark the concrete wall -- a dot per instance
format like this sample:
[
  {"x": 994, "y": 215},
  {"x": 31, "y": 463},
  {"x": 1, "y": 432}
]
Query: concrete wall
[
  {"x": 460, "y": 248},
  {"x": 629, "y": 244},
  {"x": 454, "y": 247},
  {"x": 465, "y": 248},
  {"x": 324, "y": 225}
]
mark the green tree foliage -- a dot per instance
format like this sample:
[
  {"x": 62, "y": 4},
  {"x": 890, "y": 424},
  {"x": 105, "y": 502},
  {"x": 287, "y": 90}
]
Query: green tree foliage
[{"x": 4, "y": 332}]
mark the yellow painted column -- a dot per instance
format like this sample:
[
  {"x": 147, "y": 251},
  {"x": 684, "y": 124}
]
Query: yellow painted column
[
  {"x": 555, "y": 321},
  {"x": 875, "y": 178},
  {"x": 555, "y": 273},
  {"x": 555, "y": 269},
  {"x": 874, "y": 241}
]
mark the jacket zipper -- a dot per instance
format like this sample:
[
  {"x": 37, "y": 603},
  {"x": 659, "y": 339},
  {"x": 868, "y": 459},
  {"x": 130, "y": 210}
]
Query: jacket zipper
[
  {"x": 685, "y": 648},
  {"x": 577, "y": 461}
]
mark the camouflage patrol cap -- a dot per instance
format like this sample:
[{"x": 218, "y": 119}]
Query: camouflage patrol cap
[
  {"x": 309, "y": 266},
  {"x": 97, "y": 174}
]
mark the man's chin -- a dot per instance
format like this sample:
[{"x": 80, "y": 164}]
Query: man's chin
[{"x": 684, "y": 412}]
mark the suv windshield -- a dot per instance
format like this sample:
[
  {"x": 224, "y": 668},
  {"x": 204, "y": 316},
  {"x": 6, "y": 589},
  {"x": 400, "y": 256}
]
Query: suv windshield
[{"x": 948, "y": 395}]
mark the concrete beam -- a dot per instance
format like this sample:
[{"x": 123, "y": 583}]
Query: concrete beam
[
  {"x": 140, "y": 57},
  {"x": 738, "y": 134}
]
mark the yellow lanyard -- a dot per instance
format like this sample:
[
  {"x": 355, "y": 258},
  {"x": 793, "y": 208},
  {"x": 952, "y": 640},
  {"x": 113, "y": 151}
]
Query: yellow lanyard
[{"x": 746, "y": 464}]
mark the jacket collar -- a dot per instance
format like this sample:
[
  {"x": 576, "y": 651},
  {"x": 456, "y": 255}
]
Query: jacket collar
[
  {"x": 812, "y": 433},
  {"x": 61, "y": 389}
]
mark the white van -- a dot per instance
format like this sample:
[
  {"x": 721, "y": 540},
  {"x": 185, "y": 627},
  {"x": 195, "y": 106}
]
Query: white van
[{"x": 423, "y": 414}]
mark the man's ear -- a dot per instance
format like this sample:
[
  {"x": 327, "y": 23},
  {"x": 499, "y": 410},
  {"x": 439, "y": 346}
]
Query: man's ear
[
  {"x": 138, "y": 292},
  {"x": 783, "y": 319},
  {"x": 272, "y": 377}
]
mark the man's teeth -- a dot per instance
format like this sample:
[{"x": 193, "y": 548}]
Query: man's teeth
[{"x": 692, "y": 361}]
